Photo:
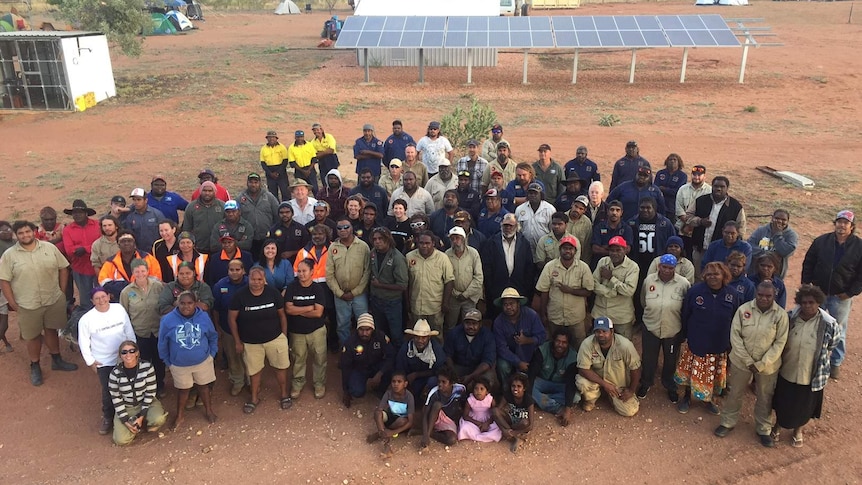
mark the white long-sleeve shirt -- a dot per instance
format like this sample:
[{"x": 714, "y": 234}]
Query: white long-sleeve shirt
[{"x": 101, "y": 333}]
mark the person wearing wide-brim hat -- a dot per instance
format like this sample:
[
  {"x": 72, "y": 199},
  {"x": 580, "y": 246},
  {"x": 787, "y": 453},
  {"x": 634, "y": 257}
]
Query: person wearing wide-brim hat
[
  {"x": 303, "y": 205},
  {"x": 518, "y": 331},
  {"x": 77, "y": 244},
  {"x": 421, "y": 357}
]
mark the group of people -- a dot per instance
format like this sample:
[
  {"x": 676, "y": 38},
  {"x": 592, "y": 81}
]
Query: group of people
[{"x": 400, "y": 272}]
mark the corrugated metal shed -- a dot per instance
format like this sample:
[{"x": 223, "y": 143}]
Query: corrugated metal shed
[
  {"x": 433, "y": 57},
  {"x": 41, "y": 34}
]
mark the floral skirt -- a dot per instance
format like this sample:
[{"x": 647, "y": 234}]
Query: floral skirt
[{"x": 707, "y": 375}]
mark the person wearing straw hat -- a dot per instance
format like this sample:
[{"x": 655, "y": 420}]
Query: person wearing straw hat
[
  {"x": 78, "y": 239},
  {"x": 421, "y": 357},
  {"x": 303, "y": 205},
  {"x": 518, "y": 331}
]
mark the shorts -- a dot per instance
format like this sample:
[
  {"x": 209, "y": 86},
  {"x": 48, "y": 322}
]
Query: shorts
[
  {"x": 276, "y": 351},
  {"x": 33, "y": 322},
  {"x": 187, "y": 376},
  {"x": 445, "y": 423}
]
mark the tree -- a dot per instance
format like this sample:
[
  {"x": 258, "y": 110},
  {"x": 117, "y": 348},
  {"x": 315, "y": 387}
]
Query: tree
[
  {"x": 122, "y": 21},
  {"x": 462, "y": 125}
]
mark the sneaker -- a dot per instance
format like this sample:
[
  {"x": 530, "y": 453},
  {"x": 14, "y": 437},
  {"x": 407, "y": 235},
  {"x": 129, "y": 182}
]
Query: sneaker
[
  {"x": 713, "y": 409},
  {"x": 294, "y": 393},
  {"x": 35, "y": 374},
  {"x": 673, "y": 396},
  {"x": 236, "y": 389},
  {"x": 834, "y": 372},
  {"x": 106, "y": 426},
  {"x": 683, "y": 406},
  {"x": 766, "y": 440},
  {"x": 642, "y": 392},
  {"x": 319, "y": 392},
  {"x": 57, "y": 363},
  {"x": 722, "y": 431}
]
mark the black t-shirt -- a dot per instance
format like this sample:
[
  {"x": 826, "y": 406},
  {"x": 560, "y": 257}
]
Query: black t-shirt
[
  {"x": 400, "y": 231},
  {"x": 301, "y": 296},
  {"x": 518, "y": 412},
  {"x": 258, "y": 320}
]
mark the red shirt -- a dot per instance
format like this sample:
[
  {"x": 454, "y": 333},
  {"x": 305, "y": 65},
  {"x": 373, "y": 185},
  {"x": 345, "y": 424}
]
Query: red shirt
[
  {"x": 76, "y": 236},
  {"x": 221, "y": 193}
]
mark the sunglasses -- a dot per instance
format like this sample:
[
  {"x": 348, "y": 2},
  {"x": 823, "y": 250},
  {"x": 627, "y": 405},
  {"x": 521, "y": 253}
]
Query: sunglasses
[
  {"x": 128, "y": 351},
  {"x": 414, "y": 225},
  {"x": 698, "y": 170},
  {"x": 343, "y": 228}
]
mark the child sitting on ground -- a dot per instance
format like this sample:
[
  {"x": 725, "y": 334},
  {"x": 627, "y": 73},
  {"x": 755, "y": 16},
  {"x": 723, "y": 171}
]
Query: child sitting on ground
[
  {"x": 394, "y": 413},
  {"x": 477, "y": 423},
  {"x": 442, "y": 409},
  {"x": 514, "y": 411}
]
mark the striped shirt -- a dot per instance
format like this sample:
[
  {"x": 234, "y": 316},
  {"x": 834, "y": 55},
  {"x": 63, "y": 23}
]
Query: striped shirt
[{"x": 138, "y": 392}]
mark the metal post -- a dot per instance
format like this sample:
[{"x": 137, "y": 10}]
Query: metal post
[
  {"x": 421, "y": 65},
  {"x": 367, "y": 68},
  {"x": 469, "y": 66},
  {"x": 684, "y": 64},
  {"x": 632, "y": 69},
  {"x": 744, "y": 60},
  {"x": 524, "y": 81},
  {"x": 575, "y": 68}
]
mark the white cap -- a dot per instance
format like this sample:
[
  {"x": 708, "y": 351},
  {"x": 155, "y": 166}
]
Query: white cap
[
  {"x": 457, "y": 230},
  {"x": 139, "y": 192},
  {"x": 444, "y": 163}
]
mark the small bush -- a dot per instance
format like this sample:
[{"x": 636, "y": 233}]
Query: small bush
[
  {"x": 462, "y": 125},
  {"x": 609, "y": 120},
  {"x": 750, "y": 109}
]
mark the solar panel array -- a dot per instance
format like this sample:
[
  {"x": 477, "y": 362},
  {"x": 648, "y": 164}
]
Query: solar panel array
[{"x": 623, "y": 31}]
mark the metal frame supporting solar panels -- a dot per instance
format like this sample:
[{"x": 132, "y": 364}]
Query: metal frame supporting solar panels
[{"x": 567, "y": 32}]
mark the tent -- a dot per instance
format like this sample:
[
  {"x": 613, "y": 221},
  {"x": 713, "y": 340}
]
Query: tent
[
  {"x": 10, "y": 22},
  {"x": 179, "y": 21},
  {"x": 161, "y": 24},
  {"x": 287, "y": 7}
]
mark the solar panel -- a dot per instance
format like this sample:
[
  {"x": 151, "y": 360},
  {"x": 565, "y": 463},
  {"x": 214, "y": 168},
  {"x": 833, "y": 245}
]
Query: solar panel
[{"x": 601, "y": 31}]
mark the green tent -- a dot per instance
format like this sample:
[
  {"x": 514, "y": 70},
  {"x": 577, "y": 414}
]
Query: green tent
[
  {"x": 6, "y": 26},
  {"x": 161, "y": 24}
]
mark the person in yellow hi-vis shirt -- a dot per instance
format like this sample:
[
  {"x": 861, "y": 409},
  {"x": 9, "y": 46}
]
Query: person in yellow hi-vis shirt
[
  {"x": 273, "y": 160},
  {"x": 302, "y": 156}
]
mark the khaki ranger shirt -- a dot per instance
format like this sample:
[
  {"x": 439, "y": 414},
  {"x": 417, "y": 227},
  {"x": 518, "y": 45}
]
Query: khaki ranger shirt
[
  {"x": 758, "y": 337},
  {"x": 348, "y": 268},
  {"x": 33, "y": 275},
  {"x": 548, "y": 248},
  {"x": 563, "y": 308},
  {"x": 616, "y": 368},
  {"x": 684, "y": 268},
  {"x": 419, "y": 169},
  {"x": 662, "y": 303},
  {"x": 614, "y": 297},
  {"x": 468, "y": 274},
  {"x": 508, "y": 172},
  {"x": 582, "y": 229},
  {"x": 427, "y": 278}
]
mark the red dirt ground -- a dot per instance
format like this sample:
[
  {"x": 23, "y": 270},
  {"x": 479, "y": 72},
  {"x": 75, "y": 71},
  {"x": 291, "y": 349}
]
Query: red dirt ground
[{"x": 207, "y": 98}]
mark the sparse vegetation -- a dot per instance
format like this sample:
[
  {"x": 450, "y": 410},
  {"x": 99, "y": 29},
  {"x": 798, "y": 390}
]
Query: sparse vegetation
[
  {"x": 609, "y": 120},
  {"x": 750, "y": 109},
  {"x": 463, "y": 124}
]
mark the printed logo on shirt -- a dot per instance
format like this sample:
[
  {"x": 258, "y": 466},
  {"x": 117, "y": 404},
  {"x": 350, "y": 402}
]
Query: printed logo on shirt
[
  {"x": 728, "y": 297},
  {"x": 651, "y": 288},
  {"x": 746, "y": 315},
  {"x": 188, "y": 335},
  {"x": 699, "y": 300},
  {"x": 359, "y": 349}
]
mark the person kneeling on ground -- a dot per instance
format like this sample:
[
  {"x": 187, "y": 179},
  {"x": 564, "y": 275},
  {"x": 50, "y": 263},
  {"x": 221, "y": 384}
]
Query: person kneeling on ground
[
  {"x": 366, "y": 360},
  {"x": 552, "y": 372},
  {"x": 132, "y": 386},
  {"x": 394, "y": 413},
  {"x": 608, "y": 362},
  {"x": 513, "y": 414},
  {"x": 443, "y": 408}
]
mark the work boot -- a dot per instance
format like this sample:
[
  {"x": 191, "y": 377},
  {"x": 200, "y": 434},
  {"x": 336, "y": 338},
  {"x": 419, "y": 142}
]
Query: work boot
[
  {"x": 834, "y": 372},
  {"x": 106, "y": 426},
  {"x": 57, "y": 363},
  {"x": 35, "y": 374}
]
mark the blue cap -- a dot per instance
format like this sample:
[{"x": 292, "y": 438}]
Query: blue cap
[
  {"x": 668, "y": 259},
  {"x": 674, "y": 240},
  {"x": 231, "y": 205},
  {"x": 603, "y": 323}
]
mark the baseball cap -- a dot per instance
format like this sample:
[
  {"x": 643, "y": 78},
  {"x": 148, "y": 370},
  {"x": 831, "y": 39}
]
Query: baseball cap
[
  {"x": 502, "y": 144},
  {"x": 231, "y": 205},
  {"x": 457, "y": 230},
  {"x": 434, "y": 124},
  {"x": 186, "y": 235},
  {"x": 644, "y": 169},
  {"x": 472, "y": 143},
  {"x": 285, "y": 205},
  {"x": 208, "y": 171},
  {"x": 492, "y": 193},
  {"x": 534, "y": 186},
  {"x": 226, "y": 235},
  {"x": 253, "y": 175},
  {"x": 365, "y": 320},
  {"x": 158, "y": 177},
  {"x": 846, "y": 214},
  {"x": 298, "y": 133},
  {"x": 631, "y": 143},
  {"x": 698, "y": 169},
  {"x": 583, "y": 200},
  {"x": 118, "y": 199},
  {"x": 461, "y": 216},
  {"x": 569, "y": 240},
  {"x": 271, "y": 133},
  {"x": 473, "y": 314},
  {"x": 464, "y": 173},
  {"x": 603, "y": 323},
  {"x": 496, "y": 173},
  {"x": 444, "y": 163},
  {"x": 367, "y": 126},
  {"x": 395, "y": 162},
  {"x": 139, "y": 192},
  {"x": 668, "y": 259},
  {"x": 573, "y": 177},
  {"x": 544, "y": 146},
  {"x": 618, "y": 241}
]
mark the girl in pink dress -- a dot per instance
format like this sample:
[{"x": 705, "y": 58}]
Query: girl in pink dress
[{"x": 477, "y": 424}]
